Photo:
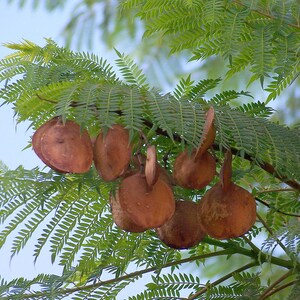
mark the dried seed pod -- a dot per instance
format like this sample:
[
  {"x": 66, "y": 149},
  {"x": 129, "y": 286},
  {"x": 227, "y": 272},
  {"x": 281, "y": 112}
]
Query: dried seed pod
[
  {"x": 197, "y": 170},
  {"x": 209, "y": 133},
  {"x": 112, "y": 152},
  {"x": 37, "y": 139},
  {"x": 121, "y": 218},
  {"x": 227, "y": 210},
  {"x": 147, "y": 207},
  {"x": 184, "y": 229},
  {"x": 151, "y": 166},
  {"x": 194, "y": 173},
  {"x": 166, "y": 176},
  {"x": 139, "y": 162},
  {"x": 63, "y": 146}
]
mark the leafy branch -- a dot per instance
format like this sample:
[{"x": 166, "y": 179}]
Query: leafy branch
[
  {"x": 122, "y": 278},
  {"x": 228, "y": 249}
]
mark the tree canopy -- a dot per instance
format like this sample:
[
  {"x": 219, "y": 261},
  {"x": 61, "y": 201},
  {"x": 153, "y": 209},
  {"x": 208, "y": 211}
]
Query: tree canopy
[{"x": 73, "y": 212}]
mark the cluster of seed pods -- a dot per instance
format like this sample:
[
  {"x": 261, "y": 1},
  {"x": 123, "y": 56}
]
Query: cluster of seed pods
[{"x": 144, "y": 198}]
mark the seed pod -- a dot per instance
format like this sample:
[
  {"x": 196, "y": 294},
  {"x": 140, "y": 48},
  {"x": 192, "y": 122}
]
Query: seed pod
[
  {"x": 147, "y": 207},
  {"x": 63, "y": 146},
  {"x": 121, "y": 218},
  {"x": 194, "y": 173},
  {"x": 151, "y": 166},
  {"x": 197, "y": 170},
  {"x": 112, "y": 152},
  {"x": 184, "y": 229},
  {"x": 37, "y": 139},
  {"x": 139, "y": 162},
  {"x": 209, "y": 133},
  {"x": 227, "y": 210}
]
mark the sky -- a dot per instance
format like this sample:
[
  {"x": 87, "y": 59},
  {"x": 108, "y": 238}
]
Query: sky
[
  {"x": 34, "y": 26},
  {"x": 17, "y": 25}
]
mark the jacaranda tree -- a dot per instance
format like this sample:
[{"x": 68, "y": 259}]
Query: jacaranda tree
[{"x": 75, "y": 211}]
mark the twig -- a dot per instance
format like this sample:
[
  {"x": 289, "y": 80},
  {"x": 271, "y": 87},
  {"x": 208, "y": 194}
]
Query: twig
[
  {"x": 278, "y": 289},
  {"x": 271, "y": 287},
  {"x": 276, "y": 209},
  {"x": 272, "y": 234},
  {"x": 47, "y": 100},
  {"x": 220, "y": 280}
]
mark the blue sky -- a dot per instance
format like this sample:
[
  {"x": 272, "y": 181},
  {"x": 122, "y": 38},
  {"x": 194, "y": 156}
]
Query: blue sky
[{"x": 34, "y": 26}]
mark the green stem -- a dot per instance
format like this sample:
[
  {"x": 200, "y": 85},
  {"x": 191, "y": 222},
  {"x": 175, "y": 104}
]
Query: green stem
[
  {"x": 260, "y": 256},
  {"x": 253, "y": 247},
  {"x": 220, "y": 280}
]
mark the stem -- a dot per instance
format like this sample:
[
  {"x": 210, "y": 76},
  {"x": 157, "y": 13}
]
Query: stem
[
  {"x": 271, "y": 287},
  {"x": 276, "y": 209},
  {"x": 220, "y": 280},
  {"x": 278, "y": 289},
  {"x": 260, "y": 256},
  {"x": 253, "y": 247},
  {"x": 272, "y": 234},
  {"x": 125, "y": 277}
]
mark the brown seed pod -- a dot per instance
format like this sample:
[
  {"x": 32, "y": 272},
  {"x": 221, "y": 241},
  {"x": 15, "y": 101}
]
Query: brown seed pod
[
  {"x": 147, "y": 207},
  {"x": 138, "y": 162},
  {"x": 37, "y": 139},
  {"x": 120, "y": 217},
  {"x": 227, "y": 210},
  {"x": 194, "y": 173},
  {"x": 112, "y": 152},
  {"x": 151, "y": 166},
  {"x": 209, "y": 133},
  {"x": 184, "y": 229},
  {"x": 63, "y": 146},
  {"x": 197, "y": 170}
]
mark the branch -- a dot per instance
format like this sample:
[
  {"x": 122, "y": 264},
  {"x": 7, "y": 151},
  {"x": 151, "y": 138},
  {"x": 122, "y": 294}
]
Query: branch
[
  {"x": 268, "y": 168},
  {"x": 259, "y": 256},
  {"x": 264, "y": 165}
]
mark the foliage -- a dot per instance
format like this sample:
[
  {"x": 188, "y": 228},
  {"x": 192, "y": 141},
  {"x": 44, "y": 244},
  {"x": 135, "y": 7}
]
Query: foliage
[
  {"x": 262, "y": 35},
  {"x": 69, "y": 214},
  {"x": 259, "y": 36},
  {"x": 51, "y": 81}
]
